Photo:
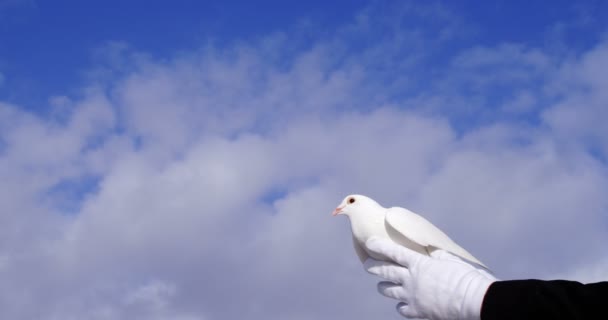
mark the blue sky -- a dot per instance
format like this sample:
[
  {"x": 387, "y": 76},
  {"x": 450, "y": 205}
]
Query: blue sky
[
  {"x": 164, "y": 160},
  {"x": 48, "y": 47}
]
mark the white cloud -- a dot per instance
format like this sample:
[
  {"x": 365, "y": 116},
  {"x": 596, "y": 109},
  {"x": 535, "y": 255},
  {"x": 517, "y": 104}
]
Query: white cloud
[
  {"x": 188, "y": 152},
  {"x": 589, "y": 272},
  {"x": 577, "y": 117}
]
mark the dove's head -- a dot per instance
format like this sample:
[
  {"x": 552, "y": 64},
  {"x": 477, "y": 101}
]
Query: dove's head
[{"x": 354, "y": 204}]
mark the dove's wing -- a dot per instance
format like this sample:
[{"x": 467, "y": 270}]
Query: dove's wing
[
  {"x": 421, "y": 231},
  {"x": 360, "y": 251}
]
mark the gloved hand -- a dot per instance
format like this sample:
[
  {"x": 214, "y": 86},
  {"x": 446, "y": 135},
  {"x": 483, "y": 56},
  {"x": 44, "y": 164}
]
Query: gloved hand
[{"x": 442, "y": 286}]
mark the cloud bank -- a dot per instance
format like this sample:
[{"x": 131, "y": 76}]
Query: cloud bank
[{"x": 200, "y": 187}]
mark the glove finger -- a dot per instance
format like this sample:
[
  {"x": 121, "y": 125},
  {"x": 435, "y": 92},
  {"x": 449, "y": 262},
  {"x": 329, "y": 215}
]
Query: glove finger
[
  {"x": 442, "y": 254},
  {"x": 445, "y": 255},
  {"x": 387, "y": 270},
  {"x": 407, "y": 311},
  {"x": 392, "y": 290},
  {"x": 393, "y": 251}
]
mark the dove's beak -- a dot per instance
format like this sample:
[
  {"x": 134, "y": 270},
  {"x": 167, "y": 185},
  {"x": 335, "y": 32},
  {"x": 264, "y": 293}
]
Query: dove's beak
[{"x": 337, "y": 211}]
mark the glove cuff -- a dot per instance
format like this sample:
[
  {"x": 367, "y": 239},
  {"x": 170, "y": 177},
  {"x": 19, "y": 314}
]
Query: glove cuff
[{"x": 473, "y": 298}]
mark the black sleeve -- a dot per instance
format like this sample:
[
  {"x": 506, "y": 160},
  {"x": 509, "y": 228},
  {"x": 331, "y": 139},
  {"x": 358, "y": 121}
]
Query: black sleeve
[{"x": 539, "y": 299}]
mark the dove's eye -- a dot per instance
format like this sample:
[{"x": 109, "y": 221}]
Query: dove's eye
[{"x": 351, "y": 200}]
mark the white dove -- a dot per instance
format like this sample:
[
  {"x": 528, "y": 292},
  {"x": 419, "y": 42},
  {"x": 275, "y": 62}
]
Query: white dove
[{"x": 369, "y": 219}]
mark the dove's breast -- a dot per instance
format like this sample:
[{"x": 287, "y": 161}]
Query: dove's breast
[{"x": 365, "y": 229}]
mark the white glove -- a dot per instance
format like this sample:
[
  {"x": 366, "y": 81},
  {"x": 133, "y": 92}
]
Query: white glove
[{"x": 439, "y": 287}]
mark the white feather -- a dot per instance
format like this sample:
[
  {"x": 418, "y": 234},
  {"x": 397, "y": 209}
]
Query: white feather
[{"x": 419, "y": 230}]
